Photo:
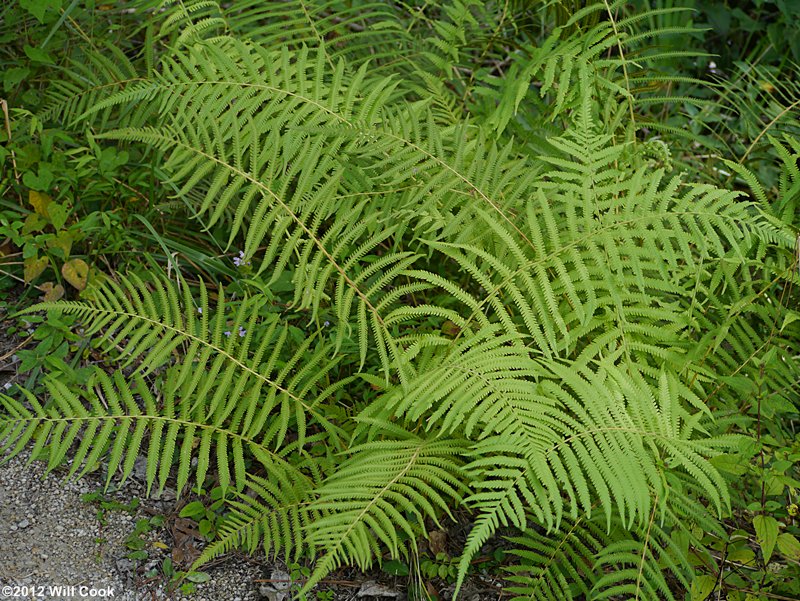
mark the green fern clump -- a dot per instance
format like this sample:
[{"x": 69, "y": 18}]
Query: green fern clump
[{"x": 453, "y": 298}]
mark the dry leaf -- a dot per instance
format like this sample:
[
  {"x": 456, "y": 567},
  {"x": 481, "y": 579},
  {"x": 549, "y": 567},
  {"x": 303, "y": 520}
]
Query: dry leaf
[
  {"x": 450, "y": 329},
  {"x": 373, "y": 589},
  {"x": 52, "y": 292},
  {"x": 433, "y": 594},
  {"x": 34, "y": 268},
  {"x": 76, "y": 272},
  {"x": 438, "y": 542},
  {"x": 186, "y": 542}
]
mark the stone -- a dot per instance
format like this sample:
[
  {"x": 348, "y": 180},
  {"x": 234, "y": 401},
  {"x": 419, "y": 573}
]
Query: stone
[{"x": 373, "y": 589}]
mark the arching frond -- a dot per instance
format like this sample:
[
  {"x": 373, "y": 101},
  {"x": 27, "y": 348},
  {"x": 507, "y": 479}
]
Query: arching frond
[
  {"x": 602, "y": 247},
  {"x": 117, "y": 422},
  {"x": 380, "y": 497},
  {"x": 590, "y": 438},
  {"x": 362, "y": 31},
  {"x": 272, "y": 518},
  {"x": 233, "y": 361}
]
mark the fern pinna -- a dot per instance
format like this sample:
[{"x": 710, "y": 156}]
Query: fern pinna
[{"x": 447, "y": 314}]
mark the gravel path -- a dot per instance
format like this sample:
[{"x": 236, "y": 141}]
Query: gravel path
[{"x": 49, "y": 536}]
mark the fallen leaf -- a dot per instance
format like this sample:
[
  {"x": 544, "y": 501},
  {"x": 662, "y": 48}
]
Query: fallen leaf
[
  {"x": 438, "y": 542},
  {"x": 186, "y": 540},
  {"x": 52, "y": 292},
  {"x": 450, "y": 329},
  {"x": 433, "y": 594},
  {"x": 373, "y": 589},
  {"x": 76, "y": 272}
]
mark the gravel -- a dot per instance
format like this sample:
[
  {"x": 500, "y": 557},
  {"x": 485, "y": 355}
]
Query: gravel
[{"x": 50, "y": 537}]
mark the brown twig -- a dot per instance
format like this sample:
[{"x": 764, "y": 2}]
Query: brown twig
[
  {"x": 352, "y": 583},
  {"x": 4, "y": 106},
  {"x": 14, "y": 350}
]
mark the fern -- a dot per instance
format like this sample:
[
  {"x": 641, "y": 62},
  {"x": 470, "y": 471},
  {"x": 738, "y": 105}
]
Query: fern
[
  {"x": 365, "y": 30},
  {"x": 368, "y": 509},
  {"x": 527, "y": 330},
  {"x": 271, "y": 517},
  {"x": 114, "y": 424},
  {"x": 551, "y": 565},
  {"x": 568, "y": 278}
]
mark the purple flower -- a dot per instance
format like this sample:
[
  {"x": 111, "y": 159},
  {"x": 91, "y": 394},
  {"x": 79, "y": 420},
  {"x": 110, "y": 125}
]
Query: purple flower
[
  {"x": 239, "y": 261},
  {"x": 242, "y": 332},
  {"x": 326, "y": 323},
  {"x": 227, "y": 332}
]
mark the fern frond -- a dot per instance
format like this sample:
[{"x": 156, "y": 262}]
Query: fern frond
[
  {"x": 362, "y": 31},
  {"x": 233, "y": 361},
  {"x": 637, "y": 567},
  {"x": 575, "y": 279},
  {"x": 282, "y": 187},
  {"x": 380, "y": 498},
  {"x": 272, "y": 517},
  {"x": 117, "y": 422},
  {"x": 90, "y": 80},
  {"x": 555, "y": 566},
  {"x": 594, "y": 436}
]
